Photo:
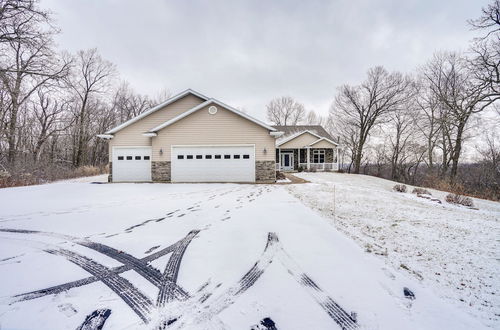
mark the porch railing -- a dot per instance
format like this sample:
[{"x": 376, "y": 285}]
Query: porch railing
[{"x": 321, "y": 166}]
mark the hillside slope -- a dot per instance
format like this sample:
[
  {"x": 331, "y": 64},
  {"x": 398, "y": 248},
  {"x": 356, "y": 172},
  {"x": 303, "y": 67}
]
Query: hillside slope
[{"x": 451, "y": 249}]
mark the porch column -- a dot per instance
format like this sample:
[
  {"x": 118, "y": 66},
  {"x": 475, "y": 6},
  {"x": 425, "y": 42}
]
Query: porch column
[
  {"x": 279, "y": 159},
  {"x": 308, "y": 158}
]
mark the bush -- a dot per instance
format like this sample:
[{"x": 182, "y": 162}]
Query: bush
[
  {"x": 280, "y": 176},
  {"x": 340, "y": 170},
  {"x": 399, "y": 188},
  {"x": 460, "y": 200},
  {"x": 300, "y": 168},
  {"x": 421, "y": 191}
]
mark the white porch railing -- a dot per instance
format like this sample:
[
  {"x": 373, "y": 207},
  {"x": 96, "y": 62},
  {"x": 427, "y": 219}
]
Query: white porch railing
[
  {"x": 321, "y": 166},
  {"x": 278, "y": 166}
]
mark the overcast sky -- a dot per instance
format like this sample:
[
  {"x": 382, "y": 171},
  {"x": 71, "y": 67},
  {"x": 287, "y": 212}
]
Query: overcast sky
[{"x": 244, "y": 53}]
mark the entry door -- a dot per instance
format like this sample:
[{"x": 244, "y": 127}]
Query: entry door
[
  {"x": 213, "y": 163},
  {"x": 287, "y": 161}
]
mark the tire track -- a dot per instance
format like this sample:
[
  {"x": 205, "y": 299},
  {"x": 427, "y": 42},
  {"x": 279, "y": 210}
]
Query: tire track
[
  {"x": 135, "y": 299},
  {"x": 95, "y": 320},
  {"x": 168, "y": 285},
  {"x": 74, "y": 284}
]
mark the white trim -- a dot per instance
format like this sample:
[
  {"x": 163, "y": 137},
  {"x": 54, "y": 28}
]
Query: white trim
[
  {"x": 204, "y": 104},
  {"x": 212, "y": 145},
  {"x": 149, "y": 134},
  {"x": 291, "y": 160},
  {"x": 105, "y": 136},
  {"x": 156, "y": 108},
  {"x": 323, "y": 139},
  {"x": 276, "y": 134},
  {"x": 291, "y": 137}
]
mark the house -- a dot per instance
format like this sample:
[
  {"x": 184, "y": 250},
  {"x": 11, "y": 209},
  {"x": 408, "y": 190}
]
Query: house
[
  {"x": 309, "y": 147},
  {"x": 194, "y": 138}
]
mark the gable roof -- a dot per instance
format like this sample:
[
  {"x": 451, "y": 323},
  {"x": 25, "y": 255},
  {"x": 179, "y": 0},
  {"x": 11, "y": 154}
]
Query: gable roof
[
  {"x": 282, "y": 140},
  {"x": 294, "y": 129},
  {"x": 156, "y": 108},
  {"x": 323, "y": 139},
  {"x": 290, "y": 132},
  {"x": 203, "y": 105}
]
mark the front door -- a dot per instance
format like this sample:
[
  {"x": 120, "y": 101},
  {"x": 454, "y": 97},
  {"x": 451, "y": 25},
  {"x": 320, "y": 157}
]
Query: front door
[{"x": 287, "y": 161}]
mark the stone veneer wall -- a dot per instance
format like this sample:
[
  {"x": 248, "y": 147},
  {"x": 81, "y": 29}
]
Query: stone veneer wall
[
  {"x": 160, "y": 171},
  {"x": 265, "y": 171},
  {"x": 110, "y": 176}
]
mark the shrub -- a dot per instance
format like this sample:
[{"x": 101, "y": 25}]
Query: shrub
[
  {"x": 460, "y": 200},
  {"x": 280, "y": 176},
  {"x": 421, "y": 191},
  {"x": 399, "y": 188},
  {"x": 300, "y": 168},
  {"x": 340, "y": 170}
]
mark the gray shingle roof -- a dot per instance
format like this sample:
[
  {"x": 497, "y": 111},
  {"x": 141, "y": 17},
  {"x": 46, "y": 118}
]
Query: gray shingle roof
[{"x": 294, "y": 129}]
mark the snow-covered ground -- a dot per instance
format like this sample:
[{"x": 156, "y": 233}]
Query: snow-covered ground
[
  {"x": 452, "y": 250},
  {"x": 198, "y": 256}
]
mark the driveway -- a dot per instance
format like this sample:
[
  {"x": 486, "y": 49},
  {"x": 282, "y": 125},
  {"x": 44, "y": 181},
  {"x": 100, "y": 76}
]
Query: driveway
[{"x": 194, "y": 256}]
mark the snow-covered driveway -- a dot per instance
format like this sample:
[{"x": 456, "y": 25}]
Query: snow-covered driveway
[{"x": 194, "y": 256}]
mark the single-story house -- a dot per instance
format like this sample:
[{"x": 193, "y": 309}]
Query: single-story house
[
  {"x": 193, "y": 138},
  {"x": 309, "y": 147}
]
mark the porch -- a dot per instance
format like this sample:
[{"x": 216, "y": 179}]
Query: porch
[{"x": 308, "y": 158}]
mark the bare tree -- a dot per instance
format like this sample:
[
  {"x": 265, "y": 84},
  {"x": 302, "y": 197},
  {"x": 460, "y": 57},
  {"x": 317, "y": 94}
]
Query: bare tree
[
  {"x": 360, "y": 108},
  {"x": 285, "y": 111},
  {"x": 401, "y": 126},
  {"x": 489, "y": 19},
  {"x": 452, "y": 80},
  {"x": 313, "y": 118},
  {"x": 26, "y": 63},
  {"x": 91, "y": 75},
  {"x": 50, "y": 115}
]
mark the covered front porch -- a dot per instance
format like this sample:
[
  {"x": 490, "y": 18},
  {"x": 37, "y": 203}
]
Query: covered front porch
[{"x": 306, "y": 159}]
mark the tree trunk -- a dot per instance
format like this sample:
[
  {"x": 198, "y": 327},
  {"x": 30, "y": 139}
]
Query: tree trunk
[{"x": 456, "y": 151}]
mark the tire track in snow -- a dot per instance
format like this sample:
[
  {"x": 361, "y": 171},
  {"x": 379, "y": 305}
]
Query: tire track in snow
[
  {"x": 134, "y": 298},
  {"x": 168, "y": 286},
  {"x": 95, "y": 320}
]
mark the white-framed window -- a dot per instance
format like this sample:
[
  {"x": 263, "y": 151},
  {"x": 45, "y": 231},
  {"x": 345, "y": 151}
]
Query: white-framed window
[{"x": 318, "y": 156}]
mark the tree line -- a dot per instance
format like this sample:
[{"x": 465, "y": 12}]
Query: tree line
[
  {"x": 409, "y": 127},
  {"x": 412, "y": 127},
  {"x": 53, "y": 103}
]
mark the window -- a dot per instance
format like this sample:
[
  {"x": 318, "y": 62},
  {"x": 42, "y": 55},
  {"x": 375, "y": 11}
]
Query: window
[
  {"x": 246, "y": 156},
  {"x": 146, "y": 158},
  {"x": 129, "y": 157},
  {"x": 189, "y": 157},
  {"x": 227, "y": 156},
  {"x": 236, "y": 156},
  {"x": 120, "y": 157},
  {"x": 208, "y": 156},
  {"x": 180, "y": 156},
  {"x": 199, "y": 156},
  {"x": 137, "y": 157},
  {"x": 217, "y": 156},
  {"x": 318, "y": 156}
]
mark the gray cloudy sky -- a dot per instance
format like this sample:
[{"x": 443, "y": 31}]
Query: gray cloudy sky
[{"x": 247, "y": 52}]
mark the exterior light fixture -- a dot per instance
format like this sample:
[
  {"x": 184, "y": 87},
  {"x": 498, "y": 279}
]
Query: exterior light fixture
[
  {"x": 161, "y": 152},
  {"x": 265, "y": 151}
]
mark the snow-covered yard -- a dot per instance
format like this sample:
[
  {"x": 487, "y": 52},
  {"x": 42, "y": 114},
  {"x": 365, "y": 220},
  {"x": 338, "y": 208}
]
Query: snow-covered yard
[
  {"x": 224, "y": 256},
  {"x": 451, "y": 249}
]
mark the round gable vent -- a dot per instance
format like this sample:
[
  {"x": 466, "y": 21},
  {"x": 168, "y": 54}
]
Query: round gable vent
[{"x": 212, "y": 110}]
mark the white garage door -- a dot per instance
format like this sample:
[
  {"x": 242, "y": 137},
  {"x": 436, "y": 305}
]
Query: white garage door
[
  {"x": 131, "y": 164},
  {"x": 213, "y": 164}
]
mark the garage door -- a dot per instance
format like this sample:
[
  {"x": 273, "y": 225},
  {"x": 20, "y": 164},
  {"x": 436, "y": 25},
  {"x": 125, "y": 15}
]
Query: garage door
[
  {"x": 213, "y": 164},
  {"x": 131, "y": 164}
]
